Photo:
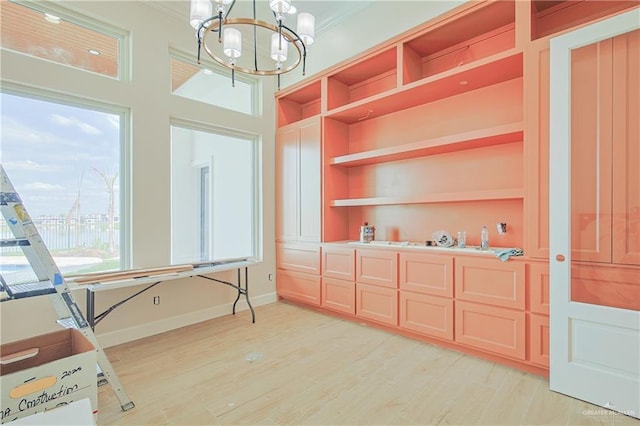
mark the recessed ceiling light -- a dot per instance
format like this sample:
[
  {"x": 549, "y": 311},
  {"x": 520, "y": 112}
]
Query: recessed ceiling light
[
  {"x": 51, "y": 18},
  {"x": 94, "y": 52},
  {"x": 207, "y": 71},
  {"x": 463, "y": 82}
]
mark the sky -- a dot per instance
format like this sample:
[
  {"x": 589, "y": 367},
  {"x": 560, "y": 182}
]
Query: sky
[{"x": 50, "y": 152}]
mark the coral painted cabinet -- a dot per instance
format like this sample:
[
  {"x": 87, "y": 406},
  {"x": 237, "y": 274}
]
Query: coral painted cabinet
[
  {"x": 338, "y": 275},
  {"x": 298, "y": 184},
  {"x": 377, "y": 285},
  {"x": 490, "y": 302},
  {"x": 426, "y": 294}
]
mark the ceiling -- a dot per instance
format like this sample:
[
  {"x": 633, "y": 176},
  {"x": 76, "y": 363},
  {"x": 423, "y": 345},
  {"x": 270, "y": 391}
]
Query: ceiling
[{"x": 326, "y": 12}]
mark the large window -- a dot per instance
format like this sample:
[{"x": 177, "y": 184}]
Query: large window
[
  {"x": 213, "y": 86},
  {"x": 215, "y": 194},
  {"x": 64, "y": 161},
  {"x": 55, "y": 35}
]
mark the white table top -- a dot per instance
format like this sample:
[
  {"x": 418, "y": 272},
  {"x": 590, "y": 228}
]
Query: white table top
[{"x": 203, "y": 269}]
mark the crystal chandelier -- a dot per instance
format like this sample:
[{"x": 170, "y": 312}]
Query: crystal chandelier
[{"x": 225, "y": 44}]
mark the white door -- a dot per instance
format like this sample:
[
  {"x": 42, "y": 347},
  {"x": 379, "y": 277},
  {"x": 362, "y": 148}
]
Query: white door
[{"x": 595, "y": 350}]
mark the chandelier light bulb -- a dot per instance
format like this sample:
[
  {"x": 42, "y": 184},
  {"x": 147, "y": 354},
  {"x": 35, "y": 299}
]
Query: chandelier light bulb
[
  {"x": 280, "y": 6},
  {"x": 279, "y": 48},
  {"x": 200, "y": 10},
  {"x": 232, "y": 42},
  {"x": 306, "y": 27}
]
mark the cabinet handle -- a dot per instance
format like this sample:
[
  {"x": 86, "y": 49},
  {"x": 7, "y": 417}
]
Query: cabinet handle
[{"x": 560, "y": 258}]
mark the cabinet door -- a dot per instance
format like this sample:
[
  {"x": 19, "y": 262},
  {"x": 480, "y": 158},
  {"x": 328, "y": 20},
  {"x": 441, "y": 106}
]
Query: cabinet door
[
  {"x": 626, "y": 149},
  {"x": 298, "y": 257},
  {"x": 379, "y": 267},
  {"x": 539, "y": 288},
  {"x": 490, "y": 328},
  {"x": 536, "y": 95},
  {"x": 309, "y": 206},
  {"x": 287, "y": 184},
  {"x": 339, "y": 295},
  {"x": 377, "y": 303},
  {"x": 539, "y": 339},
  {"x": 490, "y": 281},
  {"x": 426, "y": 273},
  {"x": 338, "y": 262},
  {"x": 298, "y": 207},
  {"x": 298, "y": 286},
  {"x": 428, "y": 315}
]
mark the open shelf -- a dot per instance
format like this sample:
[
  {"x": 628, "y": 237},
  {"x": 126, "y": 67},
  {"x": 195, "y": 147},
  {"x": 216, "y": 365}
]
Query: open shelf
[
  {"x": 482, "y": 73},
  {"x": 450, "y": 197},
  {"x": 469, "y": 140},
  {"x": 299, "y": 104},
  {"x": 550, "y": 17},
  {"x": 485, "y": 30},
  {"x": 371, "y": 76}
]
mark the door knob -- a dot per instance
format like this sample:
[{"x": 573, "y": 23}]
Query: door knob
[{"x": 560, "y": 258}]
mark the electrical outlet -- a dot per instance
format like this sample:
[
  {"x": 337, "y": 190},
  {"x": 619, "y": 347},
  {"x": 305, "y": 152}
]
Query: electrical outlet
[
  {"x": 156, "y": 300},
  {"x": 270, "y": 277}
]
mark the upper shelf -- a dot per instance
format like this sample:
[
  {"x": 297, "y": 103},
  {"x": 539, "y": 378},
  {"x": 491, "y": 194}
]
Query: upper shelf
[
  {"x": 481, "y": 73},
  {"x": 449, "y": 197},
  {"x": 469, "y": 140}
]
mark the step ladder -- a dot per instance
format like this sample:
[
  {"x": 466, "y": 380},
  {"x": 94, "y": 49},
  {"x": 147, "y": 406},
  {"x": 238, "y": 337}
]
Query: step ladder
[{"x": 50, "y": 281}]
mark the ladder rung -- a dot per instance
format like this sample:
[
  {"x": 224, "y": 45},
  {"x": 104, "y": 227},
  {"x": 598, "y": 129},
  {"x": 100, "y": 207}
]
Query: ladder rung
[{"x": 14, "y": 242}]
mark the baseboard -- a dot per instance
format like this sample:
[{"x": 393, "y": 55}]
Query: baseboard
[{"x": 125, "y": 335}]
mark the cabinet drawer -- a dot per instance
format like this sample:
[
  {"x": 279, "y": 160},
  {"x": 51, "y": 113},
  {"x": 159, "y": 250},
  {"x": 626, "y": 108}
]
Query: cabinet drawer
[
  {"x": 539, "y": 339},
  {"x": 339, "y": 295},
  {"x": 539, "y": 288},
  {"x": 426, "y": 273},
  {"x": 490, "y": 281},
  {"x": 298, "y": 257},
  {"x": 424, "y": 314},
  {"x": 299, "y": 286},
  {"x": 618, "y": 287},
  {"x": 339, "y": 262},
  {"x": 379, "y": 267},
  {"x": 377, "y": 303},
  {"x": 489, "y": 328}
]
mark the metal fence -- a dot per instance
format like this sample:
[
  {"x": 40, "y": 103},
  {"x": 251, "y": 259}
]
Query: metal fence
[{"x": 60, "y": 233}]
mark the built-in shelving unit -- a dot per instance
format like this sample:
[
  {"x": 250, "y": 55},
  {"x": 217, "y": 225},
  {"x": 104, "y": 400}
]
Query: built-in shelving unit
[
  {"x": 552, "y": 17},
  {"x": 467, "y": 77},
  {"x": 469, "y": 140},
  {"x": 450, "y": 197},
  {"x": 299, "y": 105}
]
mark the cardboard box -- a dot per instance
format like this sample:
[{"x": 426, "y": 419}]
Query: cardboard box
[{"x": 45, "y": 372}]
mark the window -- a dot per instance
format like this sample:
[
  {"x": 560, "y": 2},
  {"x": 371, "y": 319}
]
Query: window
[
  {"x": 53, "y": 35},
  {"x": 197, "y": 83},
  {"x": 64, "y": 161},
  {"x": 215, "y": 193}
]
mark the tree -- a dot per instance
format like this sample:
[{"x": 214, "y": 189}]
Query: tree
[{"x": 110, "y": 182}]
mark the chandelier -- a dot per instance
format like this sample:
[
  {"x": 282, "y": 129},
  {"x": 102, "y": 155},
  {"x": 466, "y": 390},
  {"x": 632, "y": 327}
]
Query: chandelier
[{"x": 220, "y": 35}]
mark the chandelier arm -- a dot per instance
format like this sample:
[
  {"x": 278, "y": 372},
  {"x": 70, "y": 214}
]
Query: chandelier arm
[{"x": 296, "y": 38}]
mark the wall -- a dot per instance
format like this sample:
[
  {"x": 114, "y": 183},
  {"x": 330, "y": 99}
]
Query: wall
[
  {"x": 380, "y": 21},
  {"x": 152, "y": 108}
]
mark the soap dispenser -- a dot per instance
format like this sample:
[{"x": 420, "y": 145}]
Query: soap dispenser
[{"x": 484, "y": 238}]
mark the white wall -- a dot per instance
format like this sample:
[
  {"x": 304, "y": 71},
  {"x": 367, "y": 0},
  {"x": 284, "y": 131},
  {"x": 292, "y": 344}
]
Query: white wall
[{"x": 152, "y": 108}]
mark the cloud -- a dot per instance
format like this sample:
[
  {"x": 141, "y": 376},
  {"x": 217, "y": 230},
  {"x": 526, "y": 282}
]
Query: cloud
[
  {"x": 27, "y": 165},
  {"x": 41, "y": 186},
  {"x": 75, "y": 122}
]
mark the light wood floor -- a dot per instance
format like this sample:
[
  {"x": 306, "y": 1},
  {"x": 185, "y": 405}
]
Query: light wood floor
[{"x": 320, "y": 370}]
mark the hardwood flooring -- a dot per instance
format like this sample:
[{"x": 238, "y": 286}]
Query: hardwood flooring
[{"x": 295, "y": 366}]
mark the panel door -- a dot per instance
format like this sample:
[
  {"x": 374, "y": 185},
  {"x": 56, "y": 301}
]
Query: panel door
[
  {"x": 377, "y": 303},
  {"x": 425, "y": 314},
  {"x": 379, "y": 267},
  {"x": 309, "y": 207},
  {"x": 287, "y": 184},
  {"x": 339, "y": 295},
  {"x": 595, "y": 350},
  {"x": 298, "y": 286},
  {"x": 426, "y": 273},
  {"x": 490, "y": 281}
]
